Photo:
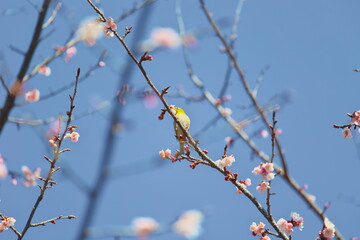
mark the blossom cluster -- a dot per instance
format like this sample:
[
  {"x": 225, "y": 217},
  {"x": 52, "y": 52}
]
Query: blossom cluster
[
  {"x": 266, "y": 170},
  {"x": 287, "y": 226},
  {"x": 259, "y": 230},
  {"x": 328, "y": 231},
  {"x": 109, "y": 27},
  {"x": 355, "y": 120},
  {"x": 226, "y": 161},
  {"x": 6, "y": 223}
]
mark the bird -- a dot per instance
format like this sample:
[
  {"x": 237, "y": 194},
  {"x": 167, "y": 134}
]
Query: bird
[{"x": 185, "y": 122}]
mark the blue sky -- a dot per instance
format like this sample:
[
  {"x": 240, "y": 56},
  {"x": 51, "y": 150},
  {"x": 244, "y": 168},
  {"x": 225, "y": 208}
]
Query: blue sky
[{"x": 311, "y": 47}]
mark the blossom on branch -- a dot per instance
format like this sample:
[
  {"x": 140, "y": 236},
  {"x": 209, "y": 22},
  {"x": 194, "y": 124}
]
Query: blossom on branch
[
  {"x": 6, "y": 223},
  {"x": 30, "y": 177},
  {"x": 45, "y": 70},
  {"x": 143, "y": 226},
  {"x": 265, "y": 169},
  {"x": 257, "y": 229},
  {"x": 263, "y": 186},
  {"x": 74, "y": 136},
  {"x": 227, "y": 161}
]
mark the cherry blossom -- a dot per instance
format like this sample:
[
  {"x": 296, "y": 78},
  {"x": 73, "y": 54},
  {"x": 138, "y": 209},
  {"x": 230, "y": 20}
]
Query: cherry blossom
[
  {"x": 227, "y": 161},
  {"x": 30, "y": 177},
  {"x": 143, "y": 226},
  {"x": 165, "y": 37},
  {"x": 263, "y": 186},
  {"x": 165, "y": 154},
  {"x": 346, "y": 133},
  {"x": 74, "y": 136},
  {"x": 6, "y": 223},
  {"x": 265, "y": 169},
  {"x": 189, "y": 224},
  {"x": 70, "y": 52},
  {"x": 45, "y": 70},
  {"x": 257, "y": 229},
  {"x": 32, "y": 96},
  {"x": 3, "y": 169},
  {"x": 285, "y": 226},
  {"x": 329, "y": 229},
  {"x": 90, "y": 30},
  {"x": 355, "y": 119}
]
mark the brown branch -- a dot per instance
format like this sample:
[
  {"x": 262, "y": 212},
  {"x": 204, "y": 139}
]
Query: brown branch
[
  {"x": 52, "y": 220},
  {"x": 48, "y": 180},
  {"x": 244, "y": 82},
  {"x": 15, "y": 89}
]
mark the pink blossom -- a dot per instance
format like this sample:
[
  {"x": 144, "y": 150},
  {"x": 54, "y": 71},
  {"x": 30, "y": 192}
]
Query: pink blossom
[
  {"x": 74, "y": 136},
  {"x": 3, "y": 169},
  {"x": 52, "y": 143},
  {"x": 227, "y": 161},
  {"x": 89, "y": 31},
  {"x": 189, "y": 224},
  {"x": 263, "y": 186},
  {"x": 265, "y": 169},
  {"x": 167, "y": 153},
  {"x": 297, "y": 221},
  {"x": 6, "y": 223},
  {"x": 111, "y": 24},
  {"x": 285, "y": 226},
  {"x": 45, "y": 70},
  {"x": 109, "y": 27},
  {"x": 247, "y": 182},
  {"x": 346, "y": 133},
  {"x": 70, "y": 52},
  {"x": 329, "y": 230},
  {"x": 264, "y": 133},
  {"x": 226, "y": 112},
  {"x": 32, "y": 96},
  {"x": 165, "y": 37},
  {"x": 54, "y": 128},
  {"x": 162, "y": 154},
  {"x": 355, "y": 119},
  {"x": 143, "y": 226},
  {"x": 30, "y": 177},
  {"x": 278, "y": 131},
  {"x": 229, "y": 140},
  {"x": 257, "y": 229},
  {"x": 150, "y": 101},
  {"x": 101, "y": 64}
]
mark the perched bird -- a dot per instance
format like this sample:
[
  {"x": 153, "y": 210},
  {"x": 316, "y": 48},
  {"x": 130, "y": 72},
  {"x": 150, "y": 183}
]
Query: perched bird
[{"x": 185, "y": 122}]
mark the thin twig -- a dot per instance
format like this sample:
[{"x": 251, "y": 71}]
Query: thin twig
[
  {"x": 53, "y": 15},
  {"x": 47, "y": 181},
  {"x": 134, "y": 9},
  {"x": 4, "y": 84},
  {"x": 52, "y": 220}
]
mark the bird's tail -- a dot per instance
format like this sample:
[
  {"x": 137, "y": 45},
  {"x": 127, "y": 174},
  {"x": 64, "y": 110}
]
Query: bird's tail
[{"x": 181, "y": 147}]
